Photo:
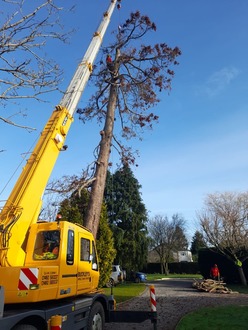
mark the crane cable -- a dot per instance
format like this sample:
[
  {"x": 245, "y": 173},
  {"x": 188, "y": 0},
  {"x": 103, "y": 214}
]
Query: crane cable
[{"x": 24, "y": 158}]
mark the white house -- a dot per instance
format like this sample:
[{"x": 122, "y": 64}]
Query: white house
[{"x": 182, "y": 256}]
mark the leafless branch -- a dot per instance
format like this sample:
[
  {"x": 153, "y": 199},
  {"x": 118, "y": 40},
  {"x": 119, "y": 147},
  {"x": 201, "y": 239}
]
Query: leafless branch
[
  {"x": 224, "y": 222},
  {"x": 17, "y": 125},
  {"x": 26, "y": 71}
]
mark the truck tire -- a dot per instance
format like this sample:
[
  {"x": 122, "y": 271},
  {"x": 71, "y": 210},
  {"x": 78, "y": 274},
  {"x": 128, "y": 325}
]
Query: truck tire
[
  {"x": 96, "y": 319},
  {"x": 24, "y": 327}
]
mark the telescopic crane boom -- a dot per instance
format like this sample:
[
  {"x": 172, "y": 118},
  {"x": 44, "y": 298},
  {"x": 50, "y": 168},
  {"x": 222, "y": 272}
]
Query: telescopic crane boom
[{"x": 24, "y": 203}]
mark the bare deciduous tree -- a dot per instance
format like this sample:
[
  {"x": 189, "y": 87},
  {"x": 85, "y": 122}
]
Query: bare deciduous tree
[
  {"x": 224, "y": 221},
  {"x": 167, "y": 237},
  {"x": 26, "y": 70}
]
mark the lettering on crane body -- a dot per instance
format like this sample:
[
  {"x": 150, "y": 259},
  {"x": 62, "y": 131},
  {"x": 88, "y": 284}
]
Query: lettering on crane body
[
  {"x": 82, "y": 276},
  {"x": 49, "y": 278}
]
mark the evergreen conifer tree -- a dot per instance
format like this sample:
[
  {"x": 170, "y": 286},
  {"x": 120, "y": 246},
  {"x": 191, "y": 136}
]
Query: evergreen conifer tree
[
  {"x": 128, "y": 217},
  {"x": 105, "y": 247},
  {"x": 196, "y": 244}
]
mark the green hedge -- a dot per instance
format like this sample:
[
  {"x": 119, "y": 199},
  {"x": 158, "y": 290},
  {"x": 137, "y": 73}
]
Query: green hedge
[
  {"x": 208, "y": 257},
  {"x": 174, "y": 268}
]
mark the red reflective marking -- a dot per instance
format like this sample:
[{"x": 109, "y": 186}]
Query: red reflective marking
[
  {"x": 33, "y": 279},
  {"x": 22, "y": 286}
]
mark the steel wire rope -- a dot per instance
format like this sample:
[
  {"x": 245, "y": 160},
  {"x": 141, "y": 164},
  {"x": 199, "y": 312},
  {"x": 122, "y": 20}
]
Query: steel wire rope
[{"x": 26, "y": 154}]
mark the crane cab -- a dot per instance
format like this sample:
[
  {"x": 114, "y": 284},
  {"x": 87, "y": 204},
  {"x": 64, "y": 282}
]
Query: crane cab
[{"x": 61, "y": 261}]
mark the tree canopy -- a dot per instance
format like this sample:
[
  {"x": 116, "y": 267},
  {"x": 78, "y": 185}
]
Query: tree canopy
[
  {"x": 197, "y": 243},
  {"x": 138, "y": 72},
  {"x": 167, "y": 236},
  {"x": 26, "y": 70},
  {"x": 128, "y": 217}
]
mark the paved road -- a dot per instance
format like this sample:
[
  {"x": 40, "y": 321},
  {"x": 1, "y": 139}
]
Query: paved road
[{"x": 175, "y": 298}]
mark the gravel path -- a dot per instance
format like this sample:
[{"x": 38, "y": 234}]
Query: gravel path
[{"x": 175, "y": 298}]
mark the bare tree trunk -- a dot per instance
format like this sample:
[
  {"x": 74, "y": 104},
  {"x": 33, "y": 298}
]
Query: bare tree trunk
[
  {"x": 92, "y": 217},
  {"x": 161, "y": 267},
  {"x": 242, "y": 275},
  {"x": 166, "y": 268}
]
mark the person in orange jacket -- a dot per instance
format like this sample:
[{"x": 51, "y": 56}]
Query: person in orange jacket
[{"x": 215, "y": 273}]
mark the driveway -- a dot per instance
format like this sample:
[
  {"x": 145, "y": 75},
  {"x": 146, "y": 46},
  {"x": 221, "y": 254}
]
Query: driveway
[{"x": 175, "y": 298}]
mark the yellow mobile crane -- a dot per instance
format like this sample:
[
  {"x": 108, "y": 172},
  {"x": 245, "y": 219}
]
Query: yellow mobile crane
[
  {"x": 49, "y": 271},
  {"x": 27, "y": 245}
]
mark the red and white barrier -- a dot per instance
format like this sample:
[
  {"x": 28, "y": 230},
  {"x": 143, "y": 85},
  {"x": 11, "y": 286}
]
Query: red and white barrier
[{"x": 153, "y": 298}]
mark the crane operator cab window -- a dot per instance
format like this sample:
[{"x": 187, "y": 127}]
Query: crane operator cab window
[
  {"x": 47, "y": 245},
  {"x": 85, "y": 254}
]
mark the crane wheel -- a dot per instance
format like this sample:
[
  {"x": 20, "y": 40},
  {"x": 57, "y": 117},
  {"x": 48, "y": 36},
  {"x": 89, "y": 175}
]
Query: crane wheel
[{"x": 96, "y": 319}]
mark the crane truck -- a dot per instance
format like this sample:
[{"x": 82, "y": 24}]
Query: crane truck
[{"x": 49, "y": 271}]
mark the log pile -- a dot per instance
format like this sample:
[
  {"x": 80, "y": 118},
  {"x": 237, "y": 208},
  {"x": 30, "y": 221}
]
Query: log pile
[{"x": 212, "y": 286}]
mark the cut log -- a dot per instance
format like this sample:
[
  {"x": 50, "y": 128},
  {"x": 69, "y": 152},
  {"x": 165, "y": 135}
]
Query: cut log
[{"x": 211, "y": 286}]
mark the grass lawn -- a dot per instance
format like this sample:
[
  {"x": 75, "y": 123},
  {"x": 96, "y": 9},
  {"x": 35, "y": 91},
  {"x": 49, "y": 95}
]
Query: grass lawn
[
  {"x": 125, "y": 291},
  {"x": 238, "y": 287},
  {"x": 218, "y": 318},
  {"x": 153, "y": 277}
]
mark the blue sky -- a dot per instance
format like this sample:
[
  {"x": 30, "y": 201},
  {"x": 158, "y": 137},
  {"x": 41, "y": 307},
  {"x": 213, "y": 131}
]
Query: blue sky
[{"x": 200, "y": 144}]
